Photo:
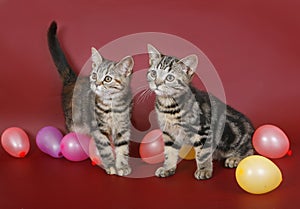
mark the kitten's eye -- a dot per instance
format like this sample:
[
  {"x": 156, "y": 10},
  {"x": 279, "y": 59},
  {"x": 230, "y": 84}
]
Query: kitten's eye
[
  {"x": 153, "y": 73},
  {"x": 94, "y": 76},
  {"x": 170, "y": 78},
  {"x": 107, "y": 79}
]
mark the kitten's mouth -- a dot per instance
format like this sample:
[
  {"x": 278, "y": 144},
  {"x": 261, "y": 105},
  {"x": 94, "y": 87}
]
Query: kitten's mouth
[
  {"x": 159, "y": 92},
  {"x": 103, "y": 93}
]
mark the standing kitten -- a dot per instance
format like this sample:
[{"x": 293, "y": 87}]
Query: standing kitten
[
  {"x": 187, "y": 115},
  {"x": 98, "y": 105}
]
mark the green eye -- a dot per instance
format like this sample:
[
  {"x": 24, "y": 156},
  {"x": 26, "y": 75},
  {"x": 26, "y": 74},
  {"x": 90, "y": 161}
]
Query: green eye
[
  {"x": 107, "y": 79},
  {"x": 94, "y": 76},
  {"x": 170, "y": 78},
  {"x": 153, "y": 73}
]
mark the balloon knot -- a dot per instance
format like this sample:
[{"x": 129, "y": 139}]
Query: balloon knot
[
  {"x": 22, "y": 154},
  {"x": 94, "y": 162}
]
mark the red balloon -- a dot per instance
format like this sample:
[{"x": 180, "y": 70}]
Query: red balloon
[
  {"x": 15, "y": 141},
  {"x": 152, "y": 147},
  {"x": 270, "y": 141}
]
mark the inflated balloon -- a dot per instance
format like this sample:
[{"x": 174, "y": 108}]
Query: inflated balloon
[
  {"x": 84, "y": 141},
  {"x": 271, "y": 141},
  {"x": 15, "y": 142},
  {"x": 152, "y": 147},
  {"x": 71, "y": 148},
  {"x": 94, "y": 153},
  {"x": 257, "y": 175},
  {"x": 187, "y": 152},
  {"x": 48, "y": 140}
]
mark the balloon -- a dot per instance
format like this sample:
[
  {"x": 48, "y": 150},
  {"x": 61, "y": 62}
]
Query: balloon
[
  {"x": 187, "y": 152},
  {"x": 152, "y": 147},
  {"x": 94, "y": 153},
  {"x": 84, "y": 141},
  {"x": 270, "y": 141},
  {"x": 48, "y": 140},
  {"x": 71, "y": 146},
  {"x": 257, "y": 175},
  {"x": 15, "y": 141}
]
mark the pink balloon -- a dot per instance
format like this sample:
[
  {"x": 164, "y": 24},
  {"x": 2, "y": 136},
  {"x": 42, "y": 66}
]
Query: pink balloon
[
  {"x": 48, "y": 140},
  {"x": 84, "y": 141},
  {"x": 94, "y": 153},
  {"x": 152, "y": 147},
  {"x": 270, "y": 141},
  {"x": 73, "y": 146},
  {"x": 15, "y": 142}
]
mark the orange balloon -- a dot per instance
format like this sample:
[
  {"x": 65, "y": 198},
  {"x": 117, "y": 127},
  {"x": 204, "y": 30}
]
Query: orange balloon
[
  {"x": 258, "y": 175},
  {"x": 15, "y": 142},
  {"x": 187, "y": 152}
]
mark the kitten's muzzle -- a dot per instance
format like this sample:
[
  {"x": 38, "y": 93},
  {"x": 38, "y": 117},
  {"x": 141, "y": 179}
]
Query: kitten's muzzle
[{"x": 99, "y": 83}]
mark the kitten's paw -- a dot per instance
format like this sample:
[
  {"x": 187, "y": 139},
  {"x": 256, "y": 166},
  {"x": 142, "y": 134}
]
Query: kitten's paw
[
  {"x": 205, "y": 173},
  {"x": 124, "y": 171},
  {"x": 111, "y": 171},
  {"x": 162, "y": 172},
  {"x": 232, "y": 162}
]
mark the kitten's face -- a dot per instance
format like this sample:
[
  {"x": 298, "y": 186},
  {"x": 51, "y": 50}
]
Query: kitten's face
[
  {"x": 109, "y": 78},
  {"x": 169, "y": 76}
]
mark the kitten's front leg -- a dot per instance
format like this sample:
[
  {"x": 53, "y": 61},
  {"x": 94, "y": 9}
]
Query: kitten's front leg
[
  {"x": 171, "y": 151},
  {"x": 105, "y": 150},
  {"x": 203, "y": 150},
  {"x": 122, "y": 153}
]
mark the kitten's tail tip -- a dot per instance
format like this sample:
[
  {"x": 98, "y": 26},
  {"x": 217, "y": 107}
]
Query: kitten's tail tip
[{"x": 53, "y": 27}]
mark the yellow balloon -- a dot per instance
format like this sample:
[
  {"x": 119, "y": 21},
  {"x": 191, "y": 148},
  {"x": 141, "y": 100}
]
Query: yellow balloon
[
  {"x": 187, "y": 152},
  {"x": 257, "y": 175}
]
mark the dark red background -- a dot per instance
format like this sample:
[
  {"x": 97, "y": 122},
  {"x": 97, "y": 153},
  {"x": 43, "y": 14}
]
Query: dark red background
[{"x": 254, "y": 45}]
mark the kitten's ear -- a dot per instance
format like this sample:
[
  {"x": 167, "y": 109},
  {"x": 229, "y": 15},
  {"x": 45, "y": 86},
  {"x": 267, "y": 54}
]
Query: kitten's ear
[
  {"x": 191, "y": 62},
  {"x": 125, "y": 66},
  {"x": 96, "y": 57},
  {"x": 154, "y": 54}
]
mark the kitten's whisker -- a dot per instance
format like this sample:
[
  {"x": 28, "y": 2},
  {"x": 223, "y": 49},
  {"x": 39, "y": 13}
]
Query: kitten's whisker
[
  {"x": 141, "y": 96},
  {"x": 142, "y": 88},
  {"x": 139, "y": 89},
  {"x": 144, "y": 95}
]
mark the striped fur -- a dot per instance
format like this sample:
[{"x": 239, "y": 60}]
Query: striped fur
[
  {"x": 98, "y": 105},
  {"x": 187, "y": 115}
]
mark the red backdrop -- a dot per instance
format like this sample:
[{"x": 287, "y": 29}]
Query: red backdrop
[{"x": 254, "y": 46}]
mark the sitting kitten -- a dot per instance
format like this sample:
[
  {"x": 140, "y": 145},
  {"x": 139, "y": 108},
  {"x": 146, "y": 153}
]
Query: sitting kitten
[
  {"x": 188, "y": 115},
  {"x": 98, "y": 105}
]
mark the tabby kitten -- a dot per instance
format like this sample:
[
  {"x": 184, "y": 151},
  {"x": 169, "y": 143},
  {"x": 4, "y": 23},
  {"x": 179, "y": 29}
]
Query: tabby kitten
[
  {"x": 98, "y": 105},
  {"x": 187, "y": 115}
]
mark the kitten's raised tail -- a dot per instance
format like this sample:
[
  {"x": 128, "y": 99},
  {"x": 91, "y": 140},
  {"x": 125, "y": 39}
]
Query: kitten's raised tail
[{"x": 66, "y": 73}]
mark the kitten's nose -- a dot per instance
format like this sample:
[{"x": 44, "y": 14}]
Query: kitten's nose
[
  {"x": 99, "y": 83},
  {"x": 158, "y": 82}
]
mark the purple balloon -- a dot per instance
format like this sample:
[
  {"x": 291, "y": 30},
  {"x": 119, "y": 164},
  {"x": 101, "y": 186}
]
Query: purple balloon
[
  {"x": 73, "y": 146},
  {"x": 48, "y": 140}
]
